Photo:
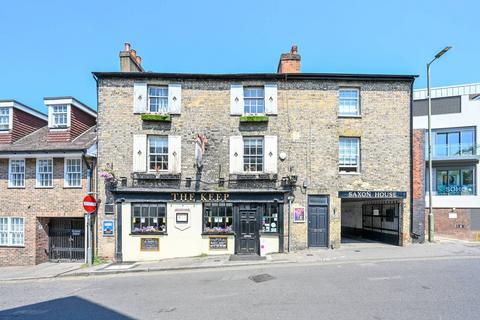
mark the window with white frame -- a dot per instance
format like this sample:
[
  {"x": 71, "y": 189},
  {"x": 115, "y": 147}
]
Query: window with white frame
[
  {"x": 349, "y": 102},
  {"x": 4, "y": 118},
  {"x": 254, "y": 100},
  {"x": 73, "y": 172},
  {"x": 158, "y": 99},
  {"x": 349, "y": 155},
  {"x": 253, "y": 154},
  {"x": 157, "y": 153},
  {"x": 44, "y": 173},
  {"x": 60, "y": 116},
  {"x": 11, "y": 231},
  {"x": 16, "y": 173}
]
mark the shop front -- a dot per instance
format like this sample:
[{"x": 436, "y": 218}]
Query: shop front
[
  {"x": 156, "y": 225},
  {"x": 372, "y": 215}
]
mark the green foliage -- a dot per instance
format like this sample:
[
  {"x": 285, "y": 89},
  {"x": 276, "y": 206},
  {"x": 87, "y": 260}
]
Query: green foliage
[
  {"x": 253, "y": 119},
  {"x": 156, "y": 117}
]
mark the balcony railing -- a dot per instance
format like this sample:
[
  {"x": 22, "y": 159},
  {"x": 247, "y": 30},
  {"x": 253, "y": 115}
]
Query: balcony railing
[{"x": 452, "y": 151}]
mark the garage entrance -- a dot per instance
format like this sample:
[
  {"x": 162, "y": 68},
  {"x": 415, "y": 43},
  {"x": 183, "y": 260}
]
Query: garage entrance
[
  {"x": 66, "y": 239},
  {"x": 377, "y": 220}
]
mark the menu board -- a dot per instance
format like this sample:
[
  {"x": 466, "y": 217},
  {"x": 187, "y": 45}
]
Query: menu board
[
  {"x": 149, "y": 244},
  {"x": 218, "y": 243}
]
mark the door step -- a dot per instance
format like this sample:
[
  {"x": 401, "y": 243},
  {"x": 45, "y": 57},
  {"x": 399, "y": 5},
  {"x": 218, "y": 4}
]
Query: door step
[{"x": 246, "y": 257}]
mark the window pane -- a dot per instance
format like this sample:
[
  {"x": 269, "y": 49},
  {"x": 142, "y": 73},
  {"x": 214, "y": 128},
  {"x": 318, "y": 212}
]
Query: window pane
[
  {"x": 17, "y": 173},
  {"x": 158, "y": 153},
  {"x": 44, "y": 172},
  {"x": 218, "y": 217},
  {"x": 253, "y": 154},
  {"x": 349, "y": 154},
  {"x": 73, "y": 172},
  {"x": 254, "y": 100},
  {"x": 349, "y": 102},
  {"x": 148, "y": 217},
  {"x": 158, "y": 99},
  {"x": 4, "y": 118}
]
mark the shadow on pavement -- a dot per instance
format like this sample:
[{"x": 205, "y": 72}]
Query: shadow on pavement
[{"x": 64, "y": 308}]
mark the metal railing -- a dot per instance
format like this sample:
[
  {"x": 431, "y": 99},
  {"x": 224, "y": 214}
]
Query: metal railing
[{"x": 453, "y": 150}]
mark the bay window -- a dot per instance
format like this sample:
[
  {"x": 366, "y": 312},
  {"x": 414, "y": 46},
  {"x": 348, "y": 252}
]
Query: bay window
[{"x": 149, "y": 218}]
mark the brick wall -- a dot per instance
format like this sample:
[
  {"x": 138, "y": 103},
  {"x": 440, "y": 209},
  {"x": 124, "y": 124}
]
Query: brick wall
[
  {"x": 308, "y": 130},
  {"x": 418, "y": 187},
  {"x": 31, "y": 202},
  {"x": 458, "y": 228}
]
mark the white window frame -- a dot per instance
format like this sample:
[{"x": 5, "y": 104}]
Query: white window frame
[
  {"x": 340, "y": 113},
  {"x": 10, "y": 119},
  {"x": 157, "y": 154},
  {"x": 358, "y": 157},
  {"x": 9, "y": 232},
  {"x": 38, "y": 173},
  {"x": 166, "y": 111},
  {"x": 10, "y": 184},
  {"x": 245, "y": 99},
  {"x": 66, "y": 183},
  {"x": 263, "y": 153},
  {"x": 51, "y": 117}
]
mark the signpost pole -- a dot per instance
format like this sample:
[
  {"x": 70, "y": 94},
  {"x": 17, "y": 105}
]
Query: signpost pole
[{"x": 89, "y": 240}]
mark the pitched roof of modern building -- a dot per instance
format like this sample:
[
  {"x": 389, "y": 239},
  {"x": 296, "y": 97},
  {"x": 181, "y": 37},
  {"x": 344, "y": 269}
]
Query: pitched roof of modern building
[
  {"x": 256, "y": 76},
  {"x": 37, "y": 142}
]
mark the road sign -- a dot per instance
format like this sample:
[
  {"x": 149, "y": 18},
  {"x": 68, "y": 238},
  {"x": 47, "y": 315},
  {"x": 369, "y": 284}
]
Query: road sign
[{"x": 90, "y": 204}]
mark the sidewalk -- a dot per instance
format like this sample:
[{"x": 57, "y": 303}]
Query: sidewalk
[{"x": 352, "y": 252}]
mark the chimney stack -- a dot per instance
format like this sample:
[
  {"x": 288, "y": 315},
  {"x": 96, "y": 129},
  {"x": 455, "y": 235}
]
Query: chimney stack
[
  {"x": 129, "y": 61},
  {"x": 289, "y": 62}
]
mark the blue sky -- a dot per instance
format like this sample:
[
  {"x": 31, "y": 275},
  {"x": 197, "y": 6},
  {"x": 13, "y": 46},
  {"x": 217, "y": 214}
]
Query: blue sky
[{"x": 50, "y": 48}]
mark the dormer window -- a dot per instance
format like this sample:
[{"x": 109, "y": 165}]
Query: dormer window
[
  {"x": 4, "y": 119},
  {"x": 60, "y": 116}
]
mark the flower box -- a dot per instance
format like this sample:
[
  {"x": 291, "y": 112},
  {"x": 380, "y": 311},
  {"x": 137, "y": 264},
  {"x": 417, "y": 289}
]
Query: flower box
[
  {"x": 253, "y": 119},
  {"x": 156, "y": 117}
]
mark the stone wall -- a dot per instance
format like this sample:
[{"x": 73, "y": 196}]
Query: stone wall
[{"x": 308, "y": 130}]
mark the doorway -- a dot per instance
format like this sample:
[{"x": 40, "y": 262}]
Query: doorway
[
  {"x": 247, "y": 235},
  {"x": 318, "y": 221},
  {"x": 66, "y": 239}
]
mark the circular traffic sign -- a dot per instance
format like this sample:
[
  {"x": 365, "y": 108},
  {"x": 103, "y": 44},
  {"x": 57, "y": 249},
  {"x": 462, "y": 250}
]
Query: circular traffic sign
[{"x": 90, "y": 204}]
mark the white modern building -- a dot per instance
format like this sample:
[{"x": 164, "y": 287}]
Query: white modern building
[{"x": 455, "y": 156}]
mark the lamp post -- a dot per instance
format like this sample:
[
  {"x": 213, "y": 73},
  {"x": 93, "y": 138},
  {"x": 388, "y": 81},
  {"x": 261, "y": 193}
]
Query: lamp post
[{"x": 430, "y": 180}]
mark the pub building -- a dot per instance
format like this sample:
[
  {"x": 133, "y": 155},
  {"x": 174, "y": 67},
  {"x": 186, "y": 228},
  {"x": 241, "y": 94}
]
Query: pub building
[{"x": 250, "y": 164}]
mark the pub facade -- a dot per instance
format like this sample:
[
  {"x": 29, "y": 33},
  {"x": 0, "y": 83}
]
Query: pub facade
[{"x": 196, "y": 164}]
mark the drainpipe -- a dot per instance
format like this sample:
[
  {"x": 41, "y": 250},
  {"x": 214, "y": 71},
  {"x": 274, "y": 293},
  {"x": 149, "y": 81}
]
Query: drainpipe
[{"x": 290, "y": 199}]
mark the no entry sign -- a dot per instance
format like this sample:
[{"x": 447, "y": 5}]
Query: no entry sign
[{"x": 90, "y": 204}]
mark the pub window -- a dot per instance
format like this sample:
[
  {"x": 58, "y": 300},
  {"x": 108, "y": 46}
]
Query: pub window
[
  {"x": 270, "y": 218},
  {"x": 149, "y": 218},
  {"x": 349, "y": 154},
  {"x": 218, "y": 217}
]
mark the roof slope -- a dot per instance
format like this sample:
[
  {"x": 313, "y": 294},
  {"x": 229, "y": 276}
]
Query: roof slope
[{"x": 37, "y": 142}]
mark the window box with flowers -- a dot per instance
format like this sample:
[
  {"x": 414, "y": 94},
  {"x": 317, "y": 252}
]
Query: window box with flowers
[{"x": 218, "y": 218}]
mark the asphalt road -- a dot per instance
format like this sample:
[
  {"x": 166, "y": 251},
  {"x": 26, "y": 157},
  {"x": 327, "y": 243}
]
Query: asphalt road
[{"x": 430, "y": 289}]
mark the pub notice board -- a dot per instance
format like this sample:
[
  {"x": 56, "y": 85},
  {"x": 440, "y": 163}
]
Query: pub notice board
[
  {"x": 218, "y": 243},
  {"x": 149, "y": 244}
]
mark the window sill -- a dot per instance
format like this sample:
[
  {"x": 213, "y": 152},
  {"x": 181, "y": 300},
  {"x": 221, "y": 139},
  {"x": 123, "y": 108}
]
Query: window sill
[
  {"x": 10, "y": 187},
  {"x": 75, "y": 187},
  {"x": 254, "y": 176},
  {"x": 12, "y": 247},
  {"x": 148, "y": 234},
  {"x": 154, "y": 176},
  {"x": 349, "y": 173},
  {"x": 218, "y": 233},
  {"x": 58, "y": 129},
  {"x": 40, "y": 187},
  {"x": 4, "y": 131},
  {"x": 350, "y": 116}
]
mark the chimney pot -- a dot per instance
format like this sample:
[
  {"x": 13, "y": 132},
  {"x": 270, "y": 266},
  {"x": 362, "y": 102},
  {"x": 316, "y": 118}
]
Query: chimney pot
[
  {"x": 127, "y": 46},
  {"x": 294, "y": 49},
  {"x": 133, "y": 52},
  {"x": 139, "y": 59}
]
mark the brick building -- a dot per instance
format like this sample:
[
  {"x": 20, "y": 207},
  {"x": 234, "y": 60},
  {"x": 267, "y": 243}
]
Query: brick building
[
  {"x": 251, "y": 163},
  {"x": 455, "y": 158},
  {"x": 46, "y": 168}
]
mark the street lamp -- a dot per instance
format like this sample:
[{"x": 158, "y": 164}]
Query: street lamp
[{"x": 430, "y": 211}]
